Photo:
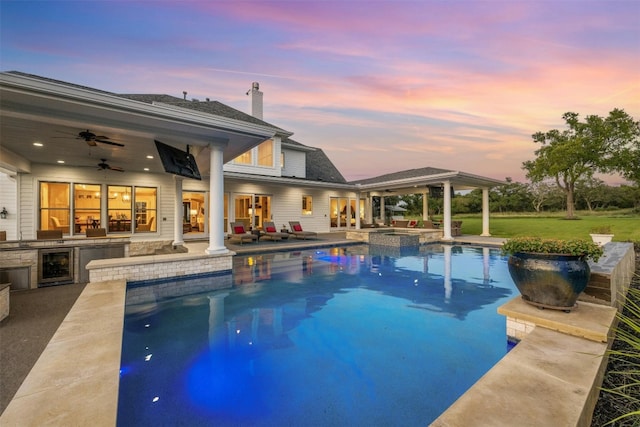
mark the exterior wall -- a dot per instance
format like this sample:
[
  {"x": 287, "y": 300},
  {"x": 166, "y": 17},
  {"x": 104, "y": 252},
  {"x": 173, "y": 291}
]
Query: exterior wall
[
  {"x": 287, "y": 203},
  {"x": 294, "y": 163},
  {"x": 28, "y": 188},
  {"x": 9, "y": 200}
]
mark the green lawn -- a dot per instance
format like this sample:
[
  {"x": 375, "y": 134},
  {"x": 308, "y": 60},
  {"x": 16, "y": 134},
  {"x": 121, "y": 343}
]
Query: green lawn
[{"x": 625, "y": 228}]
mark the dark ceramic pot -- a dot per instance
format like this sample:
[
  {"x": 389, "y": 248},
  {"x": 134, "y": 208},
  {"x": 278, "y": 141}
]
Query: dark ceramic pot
[{"x": 549, "y": 280}]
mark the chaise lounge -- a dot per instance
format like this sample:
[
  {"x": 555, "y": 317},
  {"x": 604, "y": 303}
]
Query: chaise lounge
[
  {"x": 296, "y": 230},
  {"x": 239, "y": 234},
  {"x": 272, "y": 233}
]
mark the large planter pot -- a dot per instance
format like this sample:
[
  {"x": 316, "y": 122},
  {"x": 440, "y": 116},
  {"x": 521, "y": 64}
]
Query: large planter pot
[
  {"x": 549, "y": 280},
  {"x": 601, "y": 239}
]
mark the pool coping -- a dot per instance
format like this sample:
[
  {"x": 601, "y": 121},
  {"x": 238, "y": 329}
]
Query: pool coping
[{"x": 81, "y": 364}]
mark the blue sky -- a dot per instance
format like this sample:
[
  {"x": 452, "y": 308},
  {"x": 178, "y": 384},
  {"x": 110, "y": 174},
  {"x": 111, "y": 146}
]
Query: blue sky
[{"x": 380, "y": 86}]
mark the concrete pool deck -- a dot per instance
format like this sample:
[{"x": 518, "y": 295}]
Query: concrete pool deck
[{"x": 75, "y": 381}]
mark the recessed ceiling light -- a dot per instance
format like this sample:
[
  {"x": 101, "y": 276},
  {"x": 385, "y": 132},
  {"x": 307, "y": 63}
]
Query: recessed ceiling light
[
  {"x": 146, "y": 169},
  {"x": 38, "y": 144},
  {"x": 149, "y": 156},
  {"x": 60, "y": 161}
]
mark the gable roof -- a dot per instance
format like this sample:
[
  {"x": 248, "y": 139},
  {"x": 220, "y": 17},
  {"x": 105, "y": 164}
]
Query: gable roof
[{"x": 406, "y": 174}]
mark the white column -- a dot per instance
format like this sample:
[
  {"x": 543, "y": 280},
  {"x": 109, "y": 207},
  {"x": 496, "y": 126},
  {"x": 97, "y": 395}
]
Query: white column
[
  {"x": 216, "y": 200},
  {"x": 382, "y": 210},
  {"x": 448, "y": 285},
  {"x": 447, "y": 211},
  {"x": 425, "y": 206},
  {"x": 485, "y": 212},
  {"x": 368, "y": 209},
  {"x": 357, "y": 211},
  {"x": 178, "y": 239}
]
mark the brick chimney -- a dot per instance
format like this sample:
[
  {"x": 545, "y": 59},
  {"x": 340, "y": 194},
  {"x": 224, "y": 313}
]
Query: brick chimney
[{"x": 255, "y": 100}]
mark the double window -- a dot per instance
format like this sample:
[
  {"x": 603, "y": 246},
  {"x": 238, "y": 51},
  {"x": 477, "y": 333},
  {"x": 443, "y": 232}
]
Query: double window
[{"x": 262, "y": 155}]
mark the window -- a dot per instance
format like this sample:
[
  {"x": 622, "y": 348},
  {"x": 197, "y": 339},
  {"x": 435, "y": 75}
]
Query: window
[
  {"x": 265, "y": 154},
  {"x": 281, "y": 160},
  {"x": 260, "y": 156},
  {"x": 55, "y": 206},
  {"x": 119, "y": 208},
  {"x": 244, "y": 158},
  {"x": 307, "y": 205},
  {"x": 86, "y": 207},
  {"x": 146, "y": 199}
]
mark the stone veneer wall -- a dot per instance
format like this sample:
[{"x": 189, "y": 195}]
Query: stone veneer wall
[
  {"x": 611, "y": 275},
  {"x": 154, "y": 267},
  {"x": 426, "y": 235},
  {"x": 147, "y": 247},
  {"x": 27, "y": 258},
  {"x": 4, "y": 300},
  {"x": 518, "y": 328}
]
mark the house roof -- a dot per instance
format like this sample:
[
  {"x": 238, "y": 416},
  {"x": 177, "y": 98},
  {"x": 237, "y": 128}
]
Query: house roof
[
  {"x": 210, "y": 107},
  {"x": 406, "y": 174},
  {"x": 320, "y": 168}
]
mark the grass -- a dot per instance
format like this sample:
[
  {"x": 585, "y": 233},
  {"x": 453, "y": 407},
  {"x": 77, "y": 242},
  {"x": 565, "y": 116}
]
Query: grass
[{"x": 625, "y": 228}]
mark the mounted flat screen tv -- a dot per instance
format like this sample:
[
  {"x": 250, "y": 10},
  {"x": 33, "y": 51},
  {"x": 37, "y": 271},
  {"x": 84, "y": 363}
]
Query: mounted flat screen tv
[{"x": 178, "y": 162}]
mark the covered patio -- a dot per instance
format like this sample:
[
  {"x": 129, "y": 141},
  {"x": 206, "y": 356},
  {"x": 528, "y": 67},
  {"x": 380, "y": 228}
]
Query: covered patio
[{"x": 423, "y": 181}]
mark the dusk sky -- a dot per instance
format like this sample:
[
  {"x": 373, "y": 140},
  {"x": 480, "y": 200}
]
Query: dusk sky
[{"x": 380, "y": 86}]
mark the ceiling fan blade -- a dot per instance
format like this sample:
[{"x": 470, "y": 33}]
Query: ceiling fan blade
[
  {"x": 117, "y": 144},
  {"x": 116, "y": 168}
]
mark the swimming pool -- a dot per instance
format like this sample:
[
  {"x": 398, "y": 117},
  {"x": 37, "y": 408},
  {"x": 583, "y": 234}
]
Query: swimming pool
[{"x": 337, "y": 336}]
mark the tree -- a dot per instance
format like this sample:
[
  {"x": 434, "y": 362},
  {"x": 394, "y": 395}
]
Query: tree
[
  {"x": 543, "y": 193},
  {"x": 593, "y": 191},
  {"x": 586, "y": 147}
]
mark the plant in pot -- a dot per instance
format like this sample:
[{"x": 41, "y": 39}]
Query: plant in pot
[
  {"x": 550, "y": 273},
  {"x": 601, "y": 235}
]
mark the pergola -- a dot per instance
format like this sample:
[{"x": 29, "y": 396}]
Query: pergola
[{"x": 420, "y": 181}]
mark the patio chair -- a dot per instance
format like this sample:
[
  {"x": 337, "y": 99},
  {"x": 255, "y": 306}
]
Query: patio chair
[
  {"x": 272, "y": 233},
  {"x": 240, "y": 234},
  {"x": 296, "y": 230},
  {"x": 48, "y": 234}
]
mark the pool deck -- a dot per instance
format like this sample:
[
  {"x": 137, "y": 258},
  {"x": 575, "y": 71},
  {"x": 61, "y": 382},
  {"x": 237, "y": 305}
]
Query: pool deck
[{"x": 75, "y": 380}]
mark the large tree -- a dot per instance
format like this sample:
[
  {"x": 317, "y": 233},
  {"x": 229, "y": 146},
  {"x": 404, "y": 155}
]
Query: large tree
[{"x": 596, "y": 144}]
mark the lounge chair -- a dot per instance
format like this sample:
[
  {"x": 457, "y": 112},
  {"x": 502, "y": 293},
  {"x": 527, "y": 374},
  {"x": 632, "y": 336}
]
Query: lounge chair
[
  {"x": 240, "y": 234},
  {"x": 296, "y": 230},
  {"x": 272, "y": 233}
]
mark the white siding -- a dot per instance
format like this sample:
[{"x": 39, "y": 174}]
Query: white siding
[
  {"x": 294, "y": 163},
  {"x": 9, "y": 200}
]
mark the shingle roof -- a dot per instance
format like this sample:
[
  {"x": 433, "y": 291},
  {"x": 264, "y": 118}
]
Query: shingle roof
[
  {"x": 210, "y": 107},
  {"x": 320, "y": 168},
  {"x": 406, "y": 174}
]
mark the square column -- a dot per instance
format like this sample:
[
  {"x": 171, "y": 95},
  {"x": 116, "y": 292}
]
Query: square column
[{"x": 216, "y": 199}]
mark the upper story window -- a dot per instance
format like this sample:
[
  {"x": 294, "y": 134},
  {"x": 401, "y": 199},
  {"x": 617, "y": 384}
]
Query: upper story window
[
  {"x": 262, "y": 155},
  {"x": 265, "y": 153},
  {"x": 281, "y": 160}
]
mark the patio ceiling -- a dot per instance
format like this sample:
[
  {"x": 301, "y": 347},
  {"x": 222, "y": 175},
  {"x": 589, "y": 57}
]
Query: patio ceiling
[{"x": 51, "y": 113}]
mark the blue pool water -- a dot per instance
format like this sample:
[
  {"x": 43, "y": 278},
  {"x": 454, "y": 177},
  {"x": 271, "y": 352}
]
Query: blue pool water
[{"x": 353, "y": 336}]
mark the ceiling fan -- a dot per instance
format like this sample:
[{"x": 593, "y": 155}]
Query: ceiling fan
[
  {"x": 103, "y": 165},
  {"x": 91, "y": 139}
]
